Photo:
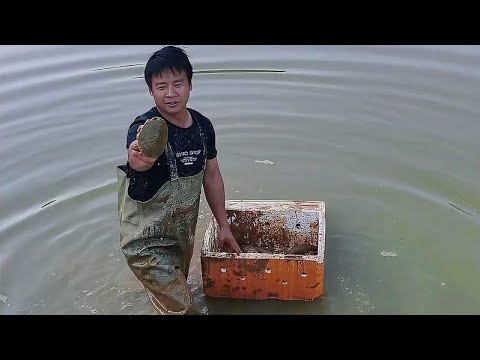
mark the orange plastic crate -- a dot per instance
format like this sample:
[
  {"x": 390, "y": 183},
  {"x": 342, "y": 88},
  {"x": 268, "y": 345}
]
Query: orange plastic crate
[{"x": 281, "y": 233}]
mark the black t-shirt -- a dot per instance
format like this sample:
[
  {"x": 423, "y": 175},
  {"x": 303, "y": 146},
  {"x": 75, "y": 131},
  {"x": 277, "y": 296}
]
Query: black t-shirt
[{"x": 187, "y": 147}]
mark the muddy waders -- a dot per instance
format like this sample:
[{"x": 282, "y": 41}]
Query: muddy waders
[{"x": 157, "y": 236}]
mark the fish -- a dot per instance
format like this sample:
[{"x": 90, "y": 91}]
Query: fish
[
  {"x": 304, "y": 249},
  {"x": 254, "y": 249},
  {"x": 153, "y": 137}
]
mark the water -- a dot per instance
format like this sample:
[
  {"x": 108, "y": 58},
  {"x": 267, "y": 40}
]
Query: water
[{"x": 387, "y": 136}]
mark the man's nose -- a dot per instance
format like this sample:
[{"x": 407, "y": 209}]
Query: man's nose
[{"x": 171, "y": 91}]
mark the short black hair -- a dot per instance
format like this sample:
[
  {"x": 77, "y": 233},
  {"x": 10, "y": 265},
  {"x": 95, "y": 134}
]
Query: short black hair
[{"x": 168, "y": 57}]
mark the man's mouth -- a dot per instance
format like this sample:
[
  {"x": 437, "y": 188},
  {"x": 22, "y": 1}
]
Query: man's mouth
[{"x": 172, "y": 103}]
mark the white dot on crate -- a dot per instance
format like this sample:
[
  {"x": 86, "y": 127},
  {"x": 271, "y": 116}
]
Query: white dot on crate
[
  {"x": 303, "y": 274},
  {"x": 268, "y": 271},
  {"x": 223, "y": 270},
  {"x": 242, "y": 278},
  {"x": 284, "y": 282}
]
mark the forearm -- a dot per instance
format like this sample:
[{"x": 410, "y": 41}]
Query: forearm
[
  {"x": 136, "y": 163},
  {"x": 215, "y": 195}
]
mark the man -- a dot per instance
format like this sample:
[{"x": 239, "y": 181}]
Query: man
[{"x": 159, "y": 198}]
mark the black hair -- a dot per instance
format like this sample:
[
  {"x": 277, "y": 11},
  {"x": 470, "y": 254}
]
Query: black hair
[{"x": 169, "y": 57}]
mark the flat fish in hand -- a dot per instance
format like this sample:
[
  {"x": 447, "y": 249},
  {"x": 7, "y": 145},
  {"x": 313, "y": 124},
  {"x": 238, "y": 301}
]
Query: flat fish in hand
[{"x": 153, "y": 137}]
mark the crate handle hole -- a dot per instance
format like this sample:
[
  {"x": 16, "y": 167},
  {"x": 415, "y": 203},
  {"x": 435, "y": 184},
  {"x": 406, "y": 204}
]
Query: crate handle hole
[
  {"x": 303, "y": 274},
  {"x": 284, "y": 282},
  {"x": 223, "y": 270},
  {"x": 268, "y": 271}
]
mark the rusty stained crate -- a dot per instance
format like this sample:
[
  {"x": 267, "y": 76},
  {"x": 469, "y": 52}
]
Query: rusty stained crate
[{"x": 276, "y": 226}]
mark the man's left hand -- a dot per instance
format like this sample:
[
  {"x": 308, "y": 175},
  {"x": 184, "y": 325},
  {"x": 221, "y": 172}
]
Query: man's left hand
[{"x": 225, "y": 236}]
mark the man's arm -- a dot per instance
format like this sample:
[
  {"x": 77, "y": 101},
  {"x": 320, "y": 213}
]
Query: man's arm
[{"x": 215, "y": 195}]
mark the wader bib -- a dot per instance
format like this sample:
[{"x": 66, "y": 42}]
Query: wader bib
[{"x": 157, "y": 236}]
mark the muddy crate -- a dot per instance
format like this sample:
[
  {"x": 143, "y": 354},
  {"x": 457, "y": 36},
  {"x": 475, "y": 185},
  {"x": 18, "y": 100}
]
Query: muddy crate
[{"x": 283, "y": 244}]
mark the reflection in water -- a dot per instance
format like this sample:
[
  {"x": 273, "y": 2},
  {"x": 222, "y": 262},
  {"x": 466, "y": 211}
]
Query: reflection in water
[{"x": 385, "y": 135}]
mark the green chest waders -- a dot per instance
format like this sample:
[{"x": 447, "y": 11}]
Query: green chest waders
[{"x": 157, "y": 236}]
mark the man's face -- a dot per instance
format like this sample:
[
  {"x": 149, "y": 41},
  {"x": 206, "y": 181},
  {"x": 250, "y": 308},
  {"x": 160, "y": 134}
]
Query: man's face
[{"x": 171, "y": 91}]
